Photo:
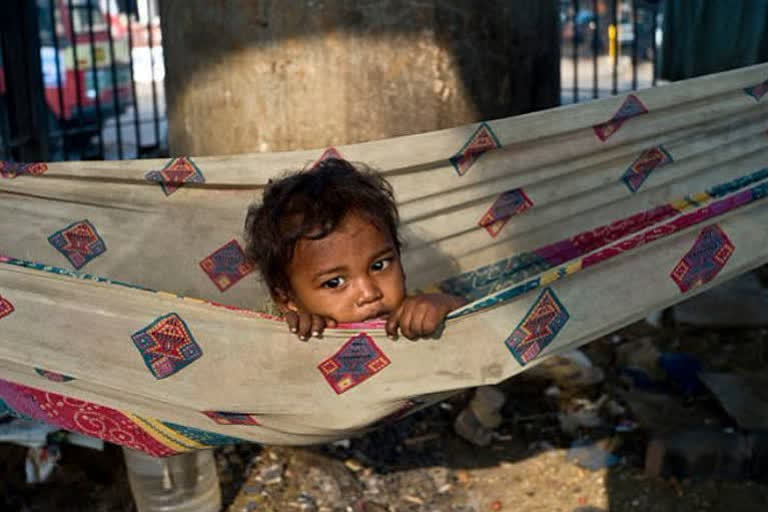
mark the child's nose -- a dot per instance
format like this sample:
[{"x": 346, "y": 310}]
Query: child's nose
[{"x": 369, "y": 292}]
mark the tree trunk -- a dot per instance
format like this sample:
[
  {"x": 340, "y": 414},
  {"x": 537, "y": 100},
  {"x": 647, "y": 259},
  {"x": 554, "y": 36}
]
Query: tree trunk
[{"x": 247, "y": 75}]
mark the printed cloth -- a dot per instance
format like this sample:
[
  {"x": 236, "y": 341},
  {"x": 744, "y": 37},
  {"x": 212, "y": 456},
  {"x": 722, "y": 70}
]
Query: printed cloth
[{"x": 128, "y": 310}]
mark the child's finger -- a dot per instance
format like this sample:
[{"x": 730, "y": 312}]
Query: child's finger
[
  {"x": 292, "y": 319},
  {"x": 318, "y": 324},
  {"x": 392, "y": 322},
  {"x": 420, "y": 320},
  {"x": 430, "y": 322},
  {"x": 407, "y": 323},
  {"x": 305, "y": 326}
]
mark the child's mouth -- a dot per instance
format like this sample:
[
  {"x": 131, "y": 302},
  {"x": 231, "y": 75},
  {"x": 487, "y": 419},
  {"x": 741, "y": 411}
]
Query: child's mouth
[{"x": 379, "y": 316}]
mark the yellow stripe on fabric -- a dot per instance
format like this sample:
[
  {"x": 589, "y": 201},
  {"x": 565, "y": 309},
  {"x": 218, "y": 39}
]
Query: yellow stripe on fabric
[
  {"x": 701, "y": 197},
  {"x": 692, "y": 200},
  {"x": 165, "y": 435},
  {"x": 548, "y": 277},
  {"x": 680, "y": 204},
  {"x": 560, "y": 272},
  {"x": 573, "y": 267}
]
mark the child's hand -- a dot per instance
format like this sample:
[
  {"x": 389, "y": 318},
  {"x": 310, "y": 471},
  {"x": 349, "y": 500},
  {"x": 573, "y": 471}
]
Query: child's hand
[
  {"x": 422, "y": 315},
  {"x": 305, "y": 325}
]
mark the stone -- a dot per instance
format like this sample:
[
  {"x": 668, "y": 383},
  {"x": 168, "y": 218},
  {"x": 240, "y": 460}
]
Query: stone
[{"x": 740, "y": 302}]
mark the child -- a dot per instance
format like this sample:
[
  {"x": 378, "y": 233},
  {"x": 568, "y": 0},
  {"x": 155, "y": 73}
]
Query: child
[{"x": 325, "y": 241}]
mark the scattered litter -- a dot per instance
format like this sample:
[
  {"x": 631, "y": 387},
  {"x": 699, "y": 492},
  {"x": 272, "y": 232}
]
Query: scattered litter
[
  {"x": 540, "y": 446},
  {"x": 638, "y": 360},
  {"x": 414, "y": 499},
  {"x": 583, "y": 413},
  {"x": 353, "y": 465},
  {"x": 342, "y": 443},
  {"x": 614, "y": 408},
  {"x": 656, "y": 319},
  {"x": 31, "y": 433},
  {"x": 682, "y": 371},
  {"x": 591, "y": 456},
  {"x": 272, "y": 475},
  {"x": 626, "y": 426},
  {"x": 419, "y": 440},
  {"x": 40, "y": 463},
  {"x": 306, "y": 502},
  {"x": 568, "y": 370},
  {"x": 463, "y": 476}
]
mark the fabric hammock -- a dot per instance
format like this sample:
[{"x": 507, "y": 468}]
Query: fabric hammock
[{"x": 560, "y": 226}]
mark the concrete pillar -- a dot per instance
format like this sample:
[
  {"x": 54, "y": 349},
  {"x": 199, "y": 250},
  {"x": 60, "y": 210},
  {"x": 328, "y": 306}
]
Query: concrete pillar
[{"x": 262, "y": 75}]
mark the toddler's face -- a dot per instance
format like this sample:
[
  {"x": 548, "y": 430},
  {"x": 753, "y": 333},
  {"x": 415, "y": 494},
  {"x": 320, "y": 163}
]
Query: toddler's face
[{"x": 351, "y": 275}]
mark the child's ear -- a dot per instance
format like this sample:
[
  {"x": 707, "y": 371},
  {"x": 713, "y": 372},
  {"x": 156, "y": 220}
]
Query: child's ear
[{"x": 284, "y": 301}]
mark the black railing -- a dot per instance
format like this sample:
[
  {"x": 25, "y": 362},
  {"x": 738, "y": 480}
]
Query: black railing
[
  {"x": 614, "y": 41},
  {"x": 100, "y": 64},
  {"x": 101, "y": 68}
]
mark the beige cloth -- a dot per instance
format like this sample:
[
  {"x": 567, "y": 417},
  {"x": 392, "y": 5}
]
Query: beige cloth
[{"x": 569, "y": 164}]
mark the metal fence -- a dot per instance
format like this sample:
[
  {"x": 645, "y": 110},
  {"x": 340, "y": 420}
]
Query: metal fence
[
  {"x": 83, "y": 79},
  {"x": 608, "y": 46},
  {"x": 93, "y": 72}
]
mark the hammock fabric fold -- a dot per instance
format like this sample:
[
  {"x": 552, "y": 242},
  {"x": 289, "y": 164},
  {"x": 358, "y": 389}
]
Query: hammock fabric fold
[{"x": 128, "y": 311}]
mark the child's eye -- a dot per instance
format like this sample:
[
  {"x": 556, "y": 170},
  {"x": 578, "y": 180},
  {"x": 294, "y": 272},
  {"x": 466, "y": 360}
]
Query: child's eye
[
  {"x": 381, "y": 264},
  {"x": 333, "y": 283}
]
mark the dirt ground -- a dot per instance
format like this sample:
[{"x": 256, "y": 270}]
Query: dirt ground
[{"x": 420, "y": 464}]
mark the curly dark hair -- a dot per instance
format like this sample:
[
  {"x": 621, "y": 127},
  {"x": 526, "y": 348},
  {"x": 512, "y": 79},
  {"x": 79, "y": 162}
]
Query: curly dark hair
[{"x": 311, "y": 204}]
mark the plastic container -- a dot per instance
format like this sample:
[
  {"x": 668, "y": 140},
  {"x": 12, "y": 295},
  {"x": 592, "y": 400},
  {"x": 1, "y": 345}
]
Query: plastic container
[
  {"x": 481, "y": 416},
  {"x": 180, "y": 483}
]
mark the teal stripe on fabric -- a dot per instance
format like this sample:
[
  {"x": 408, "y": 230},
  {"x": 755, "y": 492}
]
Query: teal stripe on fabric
[
  {"x": 70, "y": 273},
  {"x": 755, "y": 193},
  {"x": 203, "y": 436},
  {"x": 738, "y": 183},
  {"x": 488, "y": 279}
]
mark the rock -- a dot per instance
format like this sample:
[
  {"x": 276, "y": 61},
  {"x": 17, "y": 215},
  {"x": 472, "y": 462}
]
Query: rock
[
  {"x": 740, "y": 302},
  {"x": 706, "y": 453},
  {"x": 486, "y": 404},
  {"x": 476, "y": 422},
  {"x": 369, "y": 506},
  {"x": 325, "y": 484},
  {"x": 439, "y": 476},
  {"x": 744, "y": 397},
  {"x": 659, "y": 412},
  {"x": 469, "y": 428}
]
